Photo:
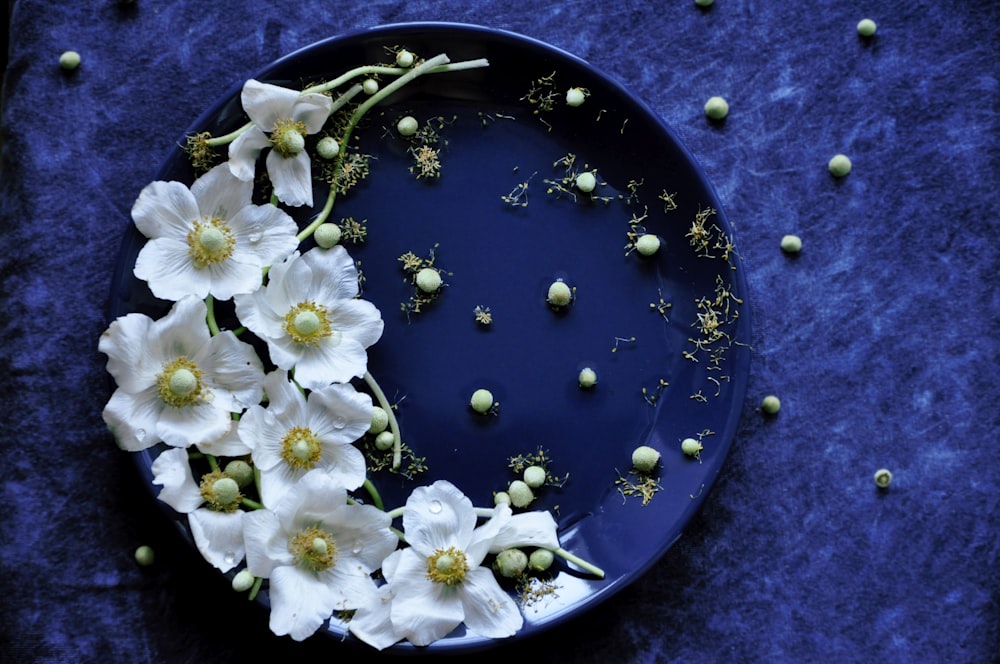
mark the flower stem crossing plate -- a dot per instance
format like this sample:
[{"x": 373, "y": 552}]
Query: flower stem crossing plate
[{"x": 495, "y": 205}]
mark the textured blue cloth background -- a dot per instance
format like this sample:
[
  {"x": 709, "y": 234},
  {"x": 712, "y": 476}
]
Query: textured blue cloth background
[{"x": 880, "y": 338}]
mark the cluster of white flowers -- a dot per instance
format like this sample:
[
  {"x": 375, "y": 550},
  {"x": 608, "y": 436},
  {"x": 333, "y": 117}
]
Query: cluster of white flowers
[{"x": 197, "y": 394}]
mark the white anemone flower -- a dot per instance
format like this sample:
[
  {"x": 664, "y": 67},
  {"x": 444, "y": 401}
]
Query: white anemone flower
[
  {"x": 213, "y": 507},
  {"x": 439, "y": 582},
  {"x": 311, "y": 318},
  {"x": 176, "y": 383},
  {"x": 209, "y": 239},
  {"x": 317, "y": 552},
  {"x": 282, "y": 118},
  {"x": 296, "y": 434}
]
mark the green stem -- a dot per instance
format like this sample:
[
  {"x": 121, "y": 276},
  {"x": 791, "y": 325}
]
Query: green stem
[
  {"x": 251, "y": 503},
  {"x": 320, "y": 218},
  {"x": 213, "y": 326},
  {"x": 579, "y": 562},
  {"x": 397, "y": 442},
  {"x": 396, "y": 513},
  {"x": 228, "y": 138},
  {"x": 373, "y": 492},
  {"x": 258, "y": 581},
  {"x": 212, "y": 463}
]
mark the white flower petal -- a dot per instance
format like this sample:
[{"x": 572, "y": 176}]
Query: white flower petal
[
  {"x": 483, "y": 536},
  {"x": 237, "y": 275},
  {"x": 285, "y": 401},
  {"x": 314, "y": 500},
  {"x": 489, "y": 610},
  {"x": 363, "y": 535},
  {"x": 172, "y": 470},
  {"x": 182, "y": 332},
  {"x": 244, "y": 151},
  {"x": 312, "y": 109},
  {"x": 438, "y": 516},
  {"x": 263, "y": 434},
  {"x": 344, "y": 464},
  {"x": 372, "y": 623},
  {"x": 166, "y": 265},
  {"x": 334, "y": 274},
  {"x": 278, "y": 483},
  {"x": 129, "y": 360},
  {"x": 266, "y": 543},
  {"x": 350, "y": 585},
  {"x": 266, "y": 230},
  {"x": 188, "y": 425},
  {"x": 220, "y": 194},
  {"x": 529, "y": 529},
  {"x": 132, "y": 418},
  {"x": 291, "y": 177},
  {"x": 358, "y": 320},
  {"x": 299, "y": 602},
  {"x": 218, "y": 536},
  {"x": 254, "y": 312},
  {"x": 422, "y": 611},
  {"x": 233, "y": 372},
  {"x": 265, "y": 104},
  {"x": 339, "y": 413},
  {"x": 165, "y": 209},
  {"x": 229, "y": 445},
  {"x": 328, "y": 362}
]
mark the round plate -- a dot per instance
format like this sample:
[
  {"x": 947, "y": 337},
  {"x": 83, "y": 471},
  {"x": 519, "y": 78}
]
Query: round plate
[{"x": 665, "y": 333}]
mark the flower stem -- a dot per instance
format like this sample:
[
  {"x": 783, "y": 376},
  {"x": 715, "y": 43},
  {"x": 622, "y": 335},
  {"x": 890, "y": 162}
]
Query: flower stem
[
  {"x": 258, "y": 581},
  {"x": 397, "y": 442},
  {"x": 213, "y": 326},
  {"x": 320, "y": 218},
  {"x": 373, "y": 492},
  {"x": 579, "y": 562},
  {"x": 251, "y": 503}
]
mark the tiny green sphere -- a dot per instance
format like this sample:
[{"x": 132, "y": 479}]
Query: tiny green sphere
[
  {"x": 226, "y": 491},
  {"x": 328, "y": 147},
  {"x": 791, "y": 244},
  {"x": 586, "y": 182},
  {"x": 404, "y": 59},
  {"x": 645, "y": 458},
  {"x": 501, "y": 498},
  {"x": 429, "y": 280},
  {"x": 370, "y": 86},
  {"x": 839, "y": 165},
  {"x": 69, "y": 60},
  {"x": 575, "y": 96},
  {"x": 540, "y": 560},
  {"x": 560, "y": 294},
  {"x": 144, "y": 555},
  {"x": 691, "y": 446},
  {"x": 704, "y": 3},
  {"x": 407, "y": 126},
  {"x": 520, "y": 494},
  {"x": 716, "y": 108},
  {"x": 327, "y": 235},
  {"x": 867, "y": 27},
  {"x": 770, "y": 404},
  {"x": 587, "y": 378},
  {"x": 240, "y": 471},
  {"x": 385, "y": 441},
  {"x": 380, "y": 420},
  {"x": 482, "y": 401},
  {"x": 182, "y": 382},
  {"x": 647, "y": 244},
  {"x": 243, "y": 581},
  {"x": 511, "y": 562},
  {"x": 534, "y": 476},
  {"x": 883, "y": 478}
]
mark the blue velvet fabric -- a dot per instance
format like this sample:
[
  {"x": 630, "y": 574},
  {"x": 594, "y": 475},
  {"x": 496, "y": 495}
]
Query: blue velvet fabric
[{"x": 880, "y": 338}]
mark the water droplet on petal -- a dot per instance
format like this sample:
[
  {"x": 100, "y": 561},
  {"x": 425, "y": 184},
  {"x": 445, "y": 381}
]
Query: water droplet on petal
[
  {"x": 255, "y": 237},
  {"x": 229, "y": 557},
  {"x": 339, "y": 422},
  {"x": 435, "y": 507},
  {"x": 140, "y": 434}
]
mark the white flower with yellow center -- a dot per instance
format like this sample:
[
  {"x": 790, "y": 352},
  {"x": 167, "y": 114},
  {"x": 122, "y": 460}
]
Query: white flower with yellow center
[
  {"x": 282, "y": 118},
  {"x": 209, "y": 239},
  {"x": 311, "y": 318},
  {"x": 176, "y": 382},
  {"x": 212, "y": 506},
  {"x": 296, "y": 434},
  {"x": 438, "y": 581},
  {"x": 317, "y": 552}
]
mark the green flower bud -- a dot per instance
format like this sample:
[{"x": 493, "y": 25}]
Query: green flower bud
[
  {"x": 534, "y": 476},
  {"x": 540, "y": 560},
  {"x": 240, "y": 471},
  {"x": 327, "y": 235},
  {"x": 520, "y": 494},
  {"x": 645, "y": 458},
  {"x": 510, "y": 563}
]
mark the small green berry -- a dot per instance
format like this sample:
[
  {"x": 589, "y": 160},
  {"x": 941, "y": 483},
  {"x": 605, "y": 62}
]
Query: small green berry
[
  {"x": 243, "y": 581},
  {"x": 716, "y": 108},
  {"x": 482, "y": 401},
  {"x": 429, "y": 280},
  {"x": 534, "y": 476},
  {"x": 404, "y": 59},
  {"x": 69, "y": 60},
  {"x": 240, "y": 471},
  {"x": 770, "y": 404},
  {"x": 144, "y": 555},
  {"x": 587, "y": 378},
  {"x": 540, "y": 560},
  {"x": 380, "y": 420},
  {"x": 560, "y": 294},
  {"x": 510, "y": 563},
  {"x": 645, "y": 458},
  {"x": 407, "y": 126},
  {"x": 866, "y": 27},
  {"x": 791, "y": 244},
  {"x": 575, "y": 96},
  {"x": 385, "y": 441},
  {"x": 586, "y": 182},
  {"x": 501, "y": 498},
  {"x": 328, "y": 147},
  {"x": 840, "y": 165},
  {"x": 226, "y": 491},
  {"x": 647, "y": 244},
  {"x": 327, "y": 235},
  {"x": 691, "y": 446},
  {"x": 883, "y": 478},
  {"x": 370, "y": 86},
  {"x": 520, "y": 494},
  {"x": 704, "y": 3}
]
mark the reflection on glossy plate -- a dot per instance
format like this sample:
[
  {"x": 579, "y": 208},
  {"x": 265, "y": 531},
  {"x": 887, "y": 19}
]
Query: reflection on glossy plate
[{"x": 645, "y": 324}]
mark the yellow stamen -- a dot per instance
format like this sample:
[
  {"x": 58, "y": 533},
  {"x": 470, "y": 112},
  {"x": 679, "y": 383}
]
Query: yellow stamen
[
  {"x": 211, "y": 241},
  {"x": 447, "y": 566},
  {"x": 300, "y": 448},
  {"x": 307, "y": 323},
  {"x": 314, "y": 549},
  {"x": 179, "y": 383}
]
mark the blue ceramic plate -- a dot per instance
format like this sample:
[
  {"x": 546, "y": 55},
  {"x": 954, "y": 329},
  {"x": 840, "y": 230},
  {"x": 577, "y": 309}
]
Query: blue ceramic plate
[{"x": 664, "y": 333}]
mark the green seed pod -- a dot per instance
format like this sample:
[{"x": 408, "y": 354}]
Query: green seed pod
[
  {"x": 560, "y": 294},
  {"x": 647, "y": 244},
  {"x": 540, "y": 560},
  {"x": 645, "y": 458},
  {"x": 385, "y": 441},
  {"x": 429, "y": 280},
  {"x": 511, "y": 563},
  {"x": 69, "y": 60},
  {"x": 866, "y": 27},
  {"x": 501, "y": 498},
  {"x": 691, "y": 446},
  {"x": 586, "y": 182},
  {"x": 328, "y": 147},
  {"x": 883, "y": 478},
  {"x": 770, "y": 404},
  {"x": 839, "y": 165},
  {"x": 575, "y": 96},
  {"x": 716, "y": 108},
  {"x": 380, "y": 420},
  {"x": 240, "y": 471},
  {"x": 404, "y": 59},
  {"x": 587, "y": 378},
  {"x": 791, "y": 244},
  {"x": 144, "y": 555},
  {"x": 482, "y": 401},
  {"x": 327, "y": 235},
  {"x": 243, "y": 581},
  {"x": 407, "y": 126},
  {"x": 370, "y": 86},
  {"x": 534, "y": 476},
  {"x": 520, "y": 494}
]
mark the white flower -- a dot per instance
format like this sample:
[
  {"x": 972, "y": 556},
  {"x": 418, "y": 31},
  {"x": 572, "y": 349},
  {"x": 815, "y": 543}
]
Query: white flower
[
  {"x": 439, "y": 581},
  {"x": 296, "y": 434},
  {"x": 311, "y": 318},
  {"x": 176, "y": 382},
  {"x": 317, "y": 552},
  {"x": 217, "y": 528},
  {"x": 209, "y": 239},
  {"x": 282, "y": 118}
]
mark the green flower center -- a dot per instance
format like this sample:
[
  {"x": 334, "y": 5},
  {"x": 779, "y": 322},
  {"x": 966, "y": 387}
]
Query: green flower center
[
  {"x": 179, "y": 383},
  {"x": 288, "y": 137},
  {"x": 300, "y": 448},
  {"x": 220, "y": 492},
  {"x": 313, "y": 549},
  {"x": 447, "y": 566},
  {"x": 211, "y": 241},
  {"x": 307, "y": 323}
]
